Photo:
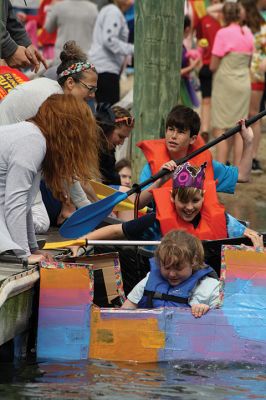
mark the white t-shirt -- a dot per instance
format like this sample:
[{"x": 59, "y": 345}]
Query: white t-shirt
[
  {"x": 24, "y": 100},
  {"x": 206, "y": 292},
  {"x": 110, "y": 41}
]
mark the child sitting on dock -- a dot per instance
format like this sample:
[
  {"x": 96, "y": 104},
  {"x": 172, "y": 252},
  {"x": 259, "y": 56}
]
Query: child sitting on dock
[{"x": 178, "y": 277}]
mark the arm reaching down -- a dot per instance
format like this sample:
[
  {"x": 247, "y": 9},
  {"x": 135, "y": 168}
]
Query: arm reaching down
[{"x": 245, "y": 164}]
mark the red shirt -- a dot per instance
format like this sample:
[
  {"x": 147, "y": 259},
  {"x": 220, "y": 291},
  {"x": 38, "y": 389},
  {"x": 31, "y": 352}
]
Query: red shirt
[
  {"x": 207, "y": 29},
  {"x": 45, "y": 38}
]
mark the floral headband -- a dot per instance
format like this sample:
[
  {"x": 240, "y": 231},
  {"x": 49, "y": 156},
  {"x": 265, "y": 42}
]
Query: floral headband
[{"x": 77, "y": 67}]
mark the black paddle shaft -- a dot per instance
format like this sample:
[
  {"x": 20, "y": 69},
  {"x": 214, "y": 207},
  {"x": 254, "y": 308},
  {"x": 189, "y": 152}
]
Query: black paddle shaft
[{"x": 226, "y": 135}]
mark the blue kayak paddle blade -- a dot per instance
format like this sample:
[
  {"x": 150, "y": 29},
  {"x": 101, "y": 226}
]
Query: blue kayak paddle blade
[{"x": 85, "y": 219}]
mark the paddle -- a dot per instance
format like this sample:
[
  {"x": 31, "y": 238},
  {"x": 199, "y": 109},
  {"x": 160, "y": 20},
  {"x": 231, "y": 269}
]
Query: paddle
[
  {"x": 103, "y": 191},
  {"x": 210, "y": 245},
  {"x": 85, "y": 242},
  {"x": 85, "y": 219}
]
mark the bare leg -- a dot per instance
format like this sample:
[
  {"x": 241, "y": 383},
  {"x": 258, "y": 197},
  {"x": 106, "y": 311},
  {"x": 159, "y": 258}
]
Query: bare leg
[
  {"x": 253, "y": 110},
  {"x": 205, "y": 114},
  {"x": 238, "y": 149},
  {"x": 222, "y": 148}
]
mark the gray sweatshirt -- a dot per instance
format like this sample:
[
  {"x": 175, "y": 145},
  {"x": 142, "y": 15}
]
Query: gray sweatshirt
[
  {"x": 73, "y": 20},
  {"x": 22, "y": 151},
  {"x": 11, "y": 30}
]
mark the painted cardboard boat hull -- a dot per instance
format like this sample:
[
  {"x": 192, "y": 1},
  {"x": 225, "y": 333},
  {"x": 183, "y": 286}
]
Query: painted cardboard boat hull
[{"x": 70, "y": 328}]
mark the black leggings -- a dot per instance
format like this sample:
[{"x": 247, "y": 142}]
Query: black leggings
[{"x": 108, "y": 88}]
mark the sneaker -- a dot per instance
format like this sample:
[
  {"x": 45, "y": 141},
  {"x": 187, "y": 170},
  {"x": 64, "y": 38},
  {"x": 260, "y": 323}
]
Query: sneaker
[{"x": 256, "y": 167}]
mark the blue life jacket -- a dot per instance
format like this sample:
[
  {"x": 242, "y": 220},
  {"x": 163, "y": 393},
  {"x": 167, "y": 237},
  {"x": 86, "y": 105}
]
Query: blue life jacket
[{"x": 158, "y": 292}]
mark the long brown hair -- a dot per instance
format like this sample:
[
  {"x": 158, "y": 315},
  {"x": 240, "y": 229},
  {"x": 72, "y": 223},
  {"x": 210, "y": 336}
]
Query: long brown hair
[
  {"x": 253, "y": 18},
  {"x": 72, "y": 142}
]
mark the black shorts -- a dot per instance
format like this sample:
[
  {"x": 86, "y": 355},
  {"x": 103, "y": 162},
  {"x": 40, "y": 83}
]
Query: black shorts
[
  {"x": 108, "y": 88},
  {"x": 205, "y": 77}
]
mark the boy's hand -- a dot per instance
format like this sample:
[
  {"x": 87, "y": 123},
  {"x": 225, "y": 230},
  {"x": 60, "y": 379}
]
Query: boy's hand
[
  {"x": 255, "y": 237},
  {"x": 171, "y": 166},
  {"x": 246, "y": 133},
  {"x": 199, "y": 309}
]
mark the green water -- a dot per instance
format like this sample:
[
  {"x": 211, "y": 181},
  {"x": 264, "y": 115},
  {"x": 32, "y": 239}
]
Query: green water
[
  {"x": 102, "y": 380},
  {"x": 253, "y": 212}
]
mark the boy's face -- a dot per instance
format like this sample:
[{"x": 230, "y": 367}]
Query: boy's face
[
  {"x": 125, "y": 176},
  {"x": 189, "y": 210},
  {"x": 178, "y": 141},
  {"x": 176, "y": 274}
]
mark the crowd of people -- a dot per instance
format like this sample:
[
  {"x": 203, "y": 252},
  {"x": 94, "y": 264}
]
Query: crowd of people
[
  {"x": 60, "y": 131},
  {"x": 232, "y": 75}
]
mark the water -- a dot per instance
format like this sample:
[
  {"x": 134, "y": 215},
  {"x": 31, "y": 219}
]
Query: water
[
  {"x": 247, "y": 210},
  {"x": 108, "y": 381}
]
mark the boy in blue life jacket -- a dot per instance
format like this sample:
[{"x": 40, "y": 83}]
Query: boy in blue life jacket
[{"x": 178, "y": 277}]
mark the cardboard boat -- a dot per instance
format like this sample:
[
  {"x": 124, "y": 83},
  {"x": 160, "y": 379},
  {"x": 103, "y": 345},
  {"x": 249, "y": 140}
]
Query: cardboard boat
[{"x": 72, "y": 328}]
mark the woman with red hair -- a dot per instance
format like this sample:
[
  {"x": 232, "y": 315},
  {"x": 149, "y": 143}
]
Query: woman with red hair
[{"x": 60, "y": 143}]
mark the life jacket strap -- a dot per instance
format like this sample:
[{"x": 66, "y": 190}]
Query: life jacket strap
[{"x": 162, "y": 296}]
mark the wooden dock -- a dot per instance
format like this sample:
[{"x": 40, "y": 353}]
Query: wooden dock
[{"x": 16, "y": 301}]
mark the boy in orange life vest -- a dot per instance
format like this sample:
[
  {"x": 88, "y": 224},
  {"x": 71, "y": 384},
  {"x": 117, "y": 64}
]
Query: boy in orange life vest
[
  {"x": 192, "y": 205},
  {"x": 181, "y": 138},
  {"x": 178, "y": 278}
]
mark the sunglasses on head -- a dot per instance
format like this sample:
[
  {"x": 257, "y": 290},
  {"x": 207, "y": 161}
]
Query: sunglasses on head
[{"x": 129, "y": 121}]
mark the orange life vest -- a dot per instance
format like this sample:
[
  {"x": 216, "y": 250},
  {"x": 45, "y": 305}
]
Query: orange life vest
[
  {"x": 212, "y": 224},
  {"x": 156, "y": 154}
]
